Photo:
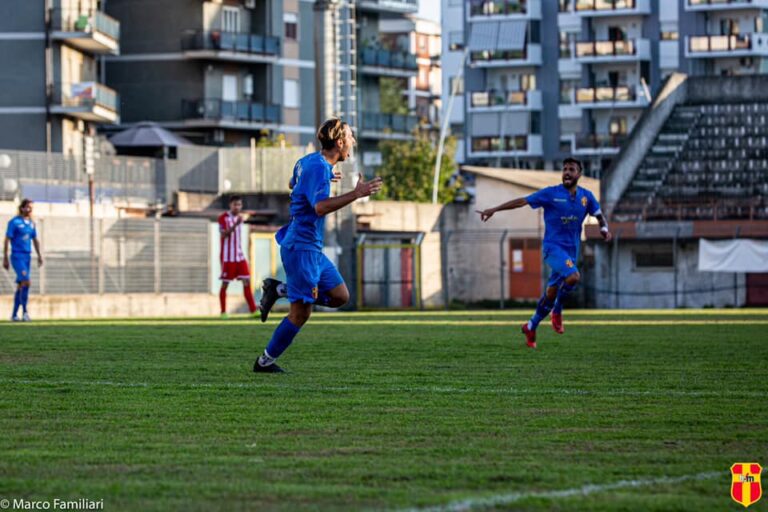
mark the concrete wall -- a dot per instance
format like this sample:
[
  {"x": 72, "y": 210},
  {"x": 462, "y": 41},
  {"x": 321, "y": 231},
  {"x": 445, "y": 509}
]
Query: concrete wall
[
  {"x": 61, "y": 307},
  {"x": 694, "y": 288}
]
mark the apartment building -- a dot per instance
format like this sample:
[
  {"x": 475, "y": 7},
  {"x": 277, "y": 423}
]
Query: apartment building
[
  {"x": 518, "y": 109},
  {"x": 53, "y": 92}
]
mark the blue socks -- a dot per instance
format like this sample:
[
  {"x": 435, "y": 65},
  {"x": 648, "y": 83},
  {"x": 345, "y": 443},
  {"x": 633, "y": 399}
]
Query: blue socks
[
  {"x": 24, "y": 297},
  {"x": 562, "y": 294},
  {"x": 542, "y": 310},
  {"x": 281, "y": 340},
  {"x": 16, "y": 302}
]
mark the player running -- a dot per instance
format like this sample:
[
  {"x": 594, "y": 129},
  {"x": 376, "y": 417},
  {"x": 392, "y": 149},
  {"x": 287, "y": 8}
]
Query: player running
[
  {"x": 565, "y": 208},
  {"x": 233, "y": 263},
  {"x": 21, "y": 235},
  {"x": 310, "y": 275}
]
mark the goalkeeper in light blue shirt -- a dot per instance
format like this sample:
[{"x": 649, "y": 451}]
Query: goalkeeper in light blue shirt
[{"x": 20, "y": 236}]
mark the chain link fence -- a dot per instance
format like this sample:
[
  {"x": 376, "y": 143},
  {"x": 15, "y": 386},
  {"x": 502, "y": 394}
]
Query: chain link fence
[{"x": 119, "y": 256}]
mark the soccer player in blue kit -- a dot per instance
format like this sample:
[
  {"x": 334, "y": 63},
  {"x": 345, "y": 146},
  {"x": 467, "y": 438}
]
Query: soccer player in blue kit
[
  {"x": 311, "y": 278},
  {"x": 21, "y": 235},
  {"x": 565, "y": 208}
]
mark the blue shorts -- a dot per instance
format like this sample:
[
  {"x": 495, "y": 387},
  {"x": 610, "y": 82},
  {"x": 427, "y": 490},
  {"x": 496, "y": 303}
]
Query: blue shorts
[
  {"x": 21, "y": 264},
  {"x": 308, "y": 274},
  {"x": 562, "y": 263}
]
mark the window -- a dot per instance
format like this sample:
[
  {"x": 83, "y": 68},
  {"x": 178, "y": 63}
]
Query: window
[
  {"x": 291, "y": 94},
  {"x": 654, "y": 258},
  {"x": 291, "y": 22},
  {"x": 670, "y": 36},
  {"x": 456, "y": 40},
  {"x": 230, "y": 19}
]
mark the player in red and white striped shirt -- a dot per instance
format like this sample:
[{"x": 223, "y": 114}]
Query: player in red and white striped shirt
[{"x": 233, "y": 263}]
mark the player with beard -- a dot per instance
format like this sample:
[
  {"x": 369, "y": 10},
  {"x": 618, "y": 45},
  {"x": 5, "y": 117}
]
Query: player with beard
[
  {"x": 311, "y": 278},
  {"x": 565, "y": 208}
]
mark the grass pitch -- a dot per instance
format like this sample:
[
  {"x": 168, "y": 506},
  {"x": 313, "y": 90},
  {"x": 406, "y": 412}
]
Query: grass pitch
[{"x": 628, "y": 410}]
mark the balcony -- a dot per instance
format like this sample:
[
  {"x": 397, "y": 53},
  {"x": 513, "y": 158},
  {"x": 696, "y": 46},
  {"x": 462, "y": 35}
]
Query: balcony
[
  {"x": 724, "y": 5},
  {"x": 89, "y": 31},
  {"x": 230, "y": 46},
  {"x": 388, "y": 126},
  {"x": 389, "y": 6},
  {"x": 529, "y": 56},
  {"x": 530, "y": 145},
  {"x": 604, "y": 8},
  {"x": 597, "y": 144},
  {"x": 89, "y": 101},
  {"x": 501, "y": 101},
  {"x": 229, "y": 113},
  {"x": 483, "y": 10},
  {"x": 610, "y": 97},
  {"x": 708, "y": 47},
  {"x": 375, "y": 61},
  {"x": 596, "y": 52}
]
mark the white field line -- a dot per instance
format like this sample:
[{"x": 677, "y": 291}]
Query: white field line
[
  {"x": 260, "y": 386},
  {"x": 508, "y": 499}
]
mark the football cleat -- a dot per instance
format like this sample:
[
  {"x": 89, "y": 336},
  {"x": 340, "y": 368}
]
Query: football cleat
[
  {"x": 269, "y": 296},
  {"x": 557, "y": 323},
  {"x": 15, "y": 319},
  {"x": 530, "y": 336},
  {"x": 271, "y": 368},
  {"x": 25, "y": 317}
]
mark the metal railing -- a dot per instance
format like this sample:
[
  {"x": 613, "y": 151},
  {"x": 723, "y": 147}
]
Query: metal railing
[
  {"x": 509, "y": 143},
  {"x": 219, "y": 40},
  {"x": 491, "y": 98},
  {"x": 604, "y": 5},
  {"x": 719, "y": 2},
  {"x": 217, "y": 109},
  {"x": 497, "y": 7},
  {"x": 604, "y": 94},
  {"x": 703, "y": 44},
  {"x": 499, "y": 55},
  {"x": 399, "y": 123},
  {"x": 86, "y": 21},
  {"x": 85, "y": 94},
  {"x": 598, "y": 141},
  {"x": 388, "y": 59},
  {"x": 605, "y": 48}
]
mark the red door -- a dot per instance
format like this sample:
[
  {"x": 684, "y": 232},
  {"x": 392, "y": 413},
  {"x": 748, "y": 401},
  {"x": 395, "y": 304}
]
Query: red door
[{"x": 524, "y": 269}]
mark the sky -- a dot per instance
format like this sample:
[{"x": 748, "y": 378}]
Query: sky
[{"x": 430, "y": 9}]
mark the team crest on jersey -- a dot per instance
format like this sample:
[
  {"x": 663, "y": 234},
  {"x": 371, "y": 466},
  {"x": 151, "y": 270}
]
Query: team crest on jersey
[
  {"x": 569, "y": 263},
  {"x": 315, "y": 292},
  {"x": 745, "y": 483},
  {"x": 584, "y": 202}
]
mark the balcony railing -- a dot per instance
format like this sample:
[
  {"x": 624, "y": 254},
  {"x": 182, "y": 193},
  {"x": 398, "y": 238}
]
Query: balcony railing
[
  {"x": 605, "y": 48},
  {"x": 493, "y": 98},
  {"x": 85, "y": 94},
  {"x": 704, "y": 44},
  {"x": 509, "y": 143},
  {"x": 600, "y": 141},
  {"x": 497, "y": 7},
  {"x": 85, "y": 21},
  {"x": 388, "y": 59},
  {"x": 718, "y": 2},
  {"x": 221, "y": 110},
  {"x": 398, "y": 6},
  {"x": 376, "y": 121},
  {"x": 489, "y": 56},
  {"x": 218, "y": 40},
  {"x": 604, "y": 5},
  {"x": 605, "y": 94}
]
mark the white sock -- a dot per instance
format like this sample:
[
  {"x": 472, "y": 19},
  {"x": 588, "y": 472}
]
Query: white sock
[
  {"x": 265, "y": 359},
  {"x": 282, "y": 290}
]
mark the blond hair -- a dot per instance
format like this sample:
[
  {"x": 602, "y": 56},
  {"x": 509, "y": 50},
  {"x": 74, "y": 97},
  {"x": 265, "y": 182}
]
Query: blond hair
[{"x": 331, "y": 131}]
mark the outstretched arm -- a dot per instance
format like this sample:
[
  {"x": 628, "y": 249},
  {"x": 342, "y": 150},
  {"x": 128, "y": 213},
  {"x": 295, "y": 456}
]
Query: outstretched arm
[
  {"x": 509, "y": 205},
  {"x": 604, "y": 231},
  {"x": 362, "y": 189}
]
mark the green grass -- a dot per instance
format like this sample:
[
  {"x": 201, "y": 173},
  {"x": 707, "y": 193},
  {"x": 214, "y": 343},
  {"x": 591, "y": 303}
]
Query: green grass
[{"x": 385, "y": 411}]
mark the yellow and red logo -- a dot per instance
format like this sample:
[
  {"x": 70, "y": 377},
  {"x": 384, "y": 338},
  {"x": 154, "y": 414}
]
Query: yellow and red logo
[
  {"x": 745, "y": 483},
  {"x": 569, "y": 263},
  {"x": 584, "y": 202},
  {"x": 315, "y": 292}
]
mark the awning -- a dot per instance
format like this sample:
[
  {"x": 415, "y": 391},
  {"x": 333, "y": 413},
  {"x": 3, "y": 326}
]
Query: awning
[
  {"x": 498, "y": 35},
  {"x": 733, "y": 255}
]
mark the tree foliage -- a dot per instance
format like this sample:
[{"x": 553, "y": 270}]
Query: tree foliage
[{"x": 408, "y": 169}]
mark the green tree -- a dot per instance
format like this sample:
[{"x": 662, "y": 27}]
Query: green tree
[
  {"x": 391, "y": 99},
  {"x": 265, "y": 141},
  {"x": 408, "y": 169}
]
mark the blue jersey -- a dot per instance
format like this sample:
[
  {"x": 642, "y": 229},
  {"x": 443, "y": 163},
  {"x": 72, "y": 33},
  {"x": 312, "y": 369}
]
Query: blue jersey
[
  {"x": 311, "y": 184},
  {"x": 564, "y": 215},
  {"x": 21, "y": 232}
]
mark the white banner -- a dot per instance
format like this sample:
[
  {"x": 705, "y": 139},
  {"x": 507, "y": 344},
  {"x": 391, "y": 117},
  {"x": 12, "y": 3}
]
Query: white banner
[{"x": 733, "y": 255}]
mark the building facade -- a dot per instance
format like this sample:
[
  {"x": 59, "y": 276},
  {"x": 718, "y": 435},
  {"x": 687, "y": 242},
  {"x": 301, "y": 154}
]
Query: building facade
[
  {"x": 54, "y": 94},
  {"x": 517, "y": 108}
]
